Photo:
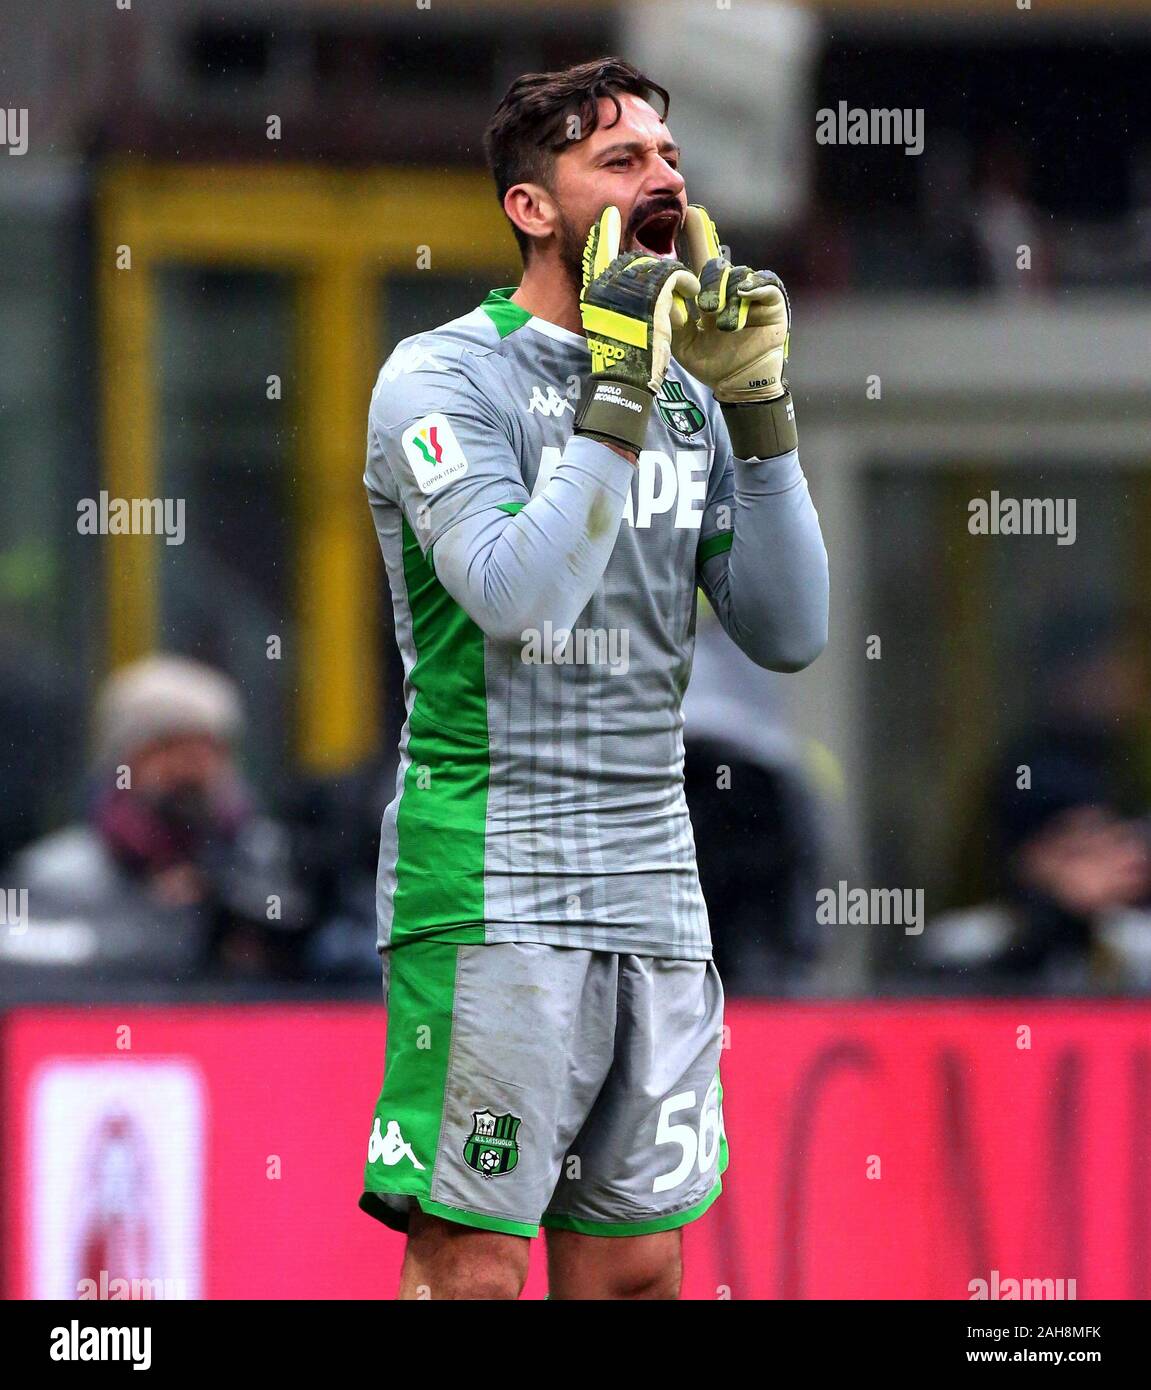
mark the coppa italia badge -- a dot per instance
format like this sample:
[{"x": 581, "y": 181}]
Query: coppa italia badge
[
  {"x": 491, "y": 1148},
  {"x": 679, "y": 412},
  {"x": 433, "y": 452}
]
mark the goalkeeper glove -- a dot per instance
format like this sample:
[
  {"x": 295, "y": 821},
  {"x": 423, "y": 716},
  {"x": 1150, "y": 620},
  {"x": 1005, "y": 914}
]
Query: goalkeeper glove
[
  {"x": 629, "y": 305},
  {"x": 737, "y": 343}
]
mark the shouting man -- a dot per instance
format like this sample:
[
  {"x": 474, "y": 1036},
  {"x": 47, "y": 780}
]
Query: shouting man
[{"x": 552, "y": 476}]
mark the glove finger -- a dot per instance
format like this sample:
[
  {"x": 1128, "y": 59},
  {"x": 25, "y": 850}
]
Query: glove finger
[
  {"x": 758, "y": 279},
  {"x": 701, "y": 236},
  {"x": 602, "y": 245},
  {"x": 715, "y": 282},
  {"x": 685, "y": 288},
  {"x": 670, "y": 306},
  {"x": 731, "y": 314},
  {"x": 766, "y": 304},
  {"x": 764, "y": 287}
]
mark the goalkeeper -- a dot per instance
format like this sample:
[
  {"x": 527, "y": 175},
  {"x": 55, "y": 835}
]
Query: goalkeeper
[{"x": 552, "y": 476}]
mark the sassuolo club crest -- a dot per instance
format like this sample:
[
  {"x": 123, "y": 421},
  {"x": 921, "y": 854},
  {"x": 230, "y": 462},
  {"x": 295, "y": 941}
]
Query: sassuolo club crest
[
  {"x": 679, "y": 411},
  {"x": 491, "y": 1148}
]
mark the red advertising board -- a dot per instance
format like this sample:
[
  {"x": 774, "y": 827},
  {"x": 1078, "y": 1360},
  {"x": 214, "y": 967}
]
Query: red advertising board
[{"x": 877, "y": 1151}]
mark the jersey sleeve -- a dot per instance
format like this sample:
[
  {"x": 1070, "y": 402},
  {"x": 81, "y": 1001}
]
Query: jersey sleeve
[
  {"x": 761, "y": 558},
  {"x": 440, "y": 449}
]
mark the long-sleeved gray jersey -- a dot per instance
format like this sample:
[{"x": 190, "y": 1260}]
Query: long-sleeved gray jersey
[{"x": 545, "y": 597}]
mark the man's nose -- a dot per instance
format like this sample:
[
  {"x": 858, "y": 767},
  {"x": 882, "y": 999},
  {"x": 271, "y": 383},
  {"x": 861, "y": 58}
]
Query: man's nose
[{"x": 669, "y": 176}]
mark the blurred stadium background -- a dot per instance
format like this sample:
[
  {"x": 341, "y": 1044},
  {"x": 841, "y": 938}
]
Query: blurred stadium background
[{"x": 225, "y": 217}]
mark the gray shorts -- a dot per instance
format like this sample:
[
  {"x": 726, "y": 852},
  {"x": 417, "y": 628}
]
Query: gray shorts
[{"x": 528, "y": 1085}]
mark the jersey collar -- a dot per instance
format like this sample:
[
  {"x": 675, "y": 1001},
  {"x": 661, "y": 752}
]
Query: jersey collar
[{"x": 507, "y": 317}]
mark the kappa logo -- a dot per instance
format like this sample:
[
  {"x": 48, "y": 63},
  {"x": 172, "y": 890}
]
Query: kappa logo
[
  {"x": 389, "y": 1148},
  {"x": 551, "y": 403},
  {"x": 411, "y": 358},
  {"x": 491, "y": 1148},
  {"x": 434, "y": 452}
]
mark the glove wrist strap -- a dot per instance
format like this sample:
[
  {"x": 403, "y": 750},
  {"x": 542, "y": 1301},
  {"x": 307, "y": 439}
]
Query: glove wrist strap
[
  {"x": 614, "y": 411},
  {"x": 761, "y": 429}
]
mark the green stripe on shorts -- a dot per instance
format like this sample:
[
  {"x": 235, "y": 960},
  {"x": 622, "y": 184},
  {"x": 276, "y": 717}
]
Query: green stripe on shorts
[
  {"x": 406, "y": 1126},
  {"x": 480, "y": 1221},
  {"x": 723, "y": 1153},
  {"x": 652, "y": 1226}
]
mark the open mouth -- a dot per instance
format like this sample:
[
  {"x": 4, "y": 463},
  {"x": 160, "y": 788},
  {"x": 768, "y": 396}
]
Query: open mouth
[{"x": 656, "y": 234}]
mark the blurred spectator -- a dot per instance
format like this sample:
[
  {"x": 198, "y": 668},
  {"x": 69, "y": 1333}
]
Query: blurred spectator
[
  {"x": 336, "y": 831},
  {"x": 947, "y": 255},
  {"x": 1007, "y": 222},
  {"x": 761, "y": 802},
  {"x": 1072, "y": 854},
  {"x": 174, "y": 874}
]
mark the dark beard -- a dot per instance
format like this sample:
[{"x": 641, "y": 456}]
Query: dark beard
[{"x": 571, "y": 245}]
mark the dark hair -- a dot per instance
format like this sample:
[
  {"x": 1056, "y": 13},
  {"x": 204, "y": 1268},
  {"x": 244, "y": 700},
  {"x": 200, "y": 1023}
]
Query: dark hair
[{"x": 529, "y": 127}]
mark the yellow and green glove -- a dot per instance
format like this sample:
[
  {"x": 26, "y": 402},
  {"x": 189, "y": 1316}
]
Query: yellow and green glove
[
  {"x": 630, "y": 304},
  {"x": 737, "y": 343}
]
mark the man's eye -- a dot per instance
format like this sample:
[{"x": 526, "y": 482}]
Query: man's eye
[{"x": 623, "y": 159}]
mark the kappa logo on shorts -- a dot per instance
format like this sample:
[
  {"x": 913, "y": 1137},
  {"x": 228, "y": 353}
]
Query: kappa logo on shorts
[
  {"x": 491, "y": 1148},
  {"x": 390, "y": 1147}
]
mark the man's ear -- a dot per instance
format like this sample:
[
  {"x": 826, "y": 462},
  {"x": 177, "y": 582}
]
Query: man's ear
[{"x": 532, "y": 208}]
